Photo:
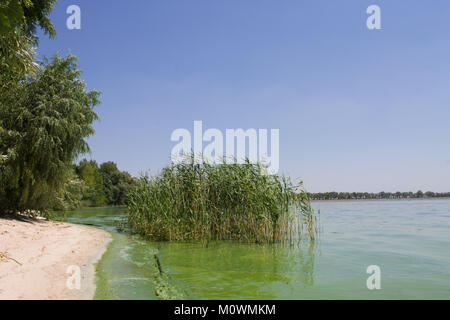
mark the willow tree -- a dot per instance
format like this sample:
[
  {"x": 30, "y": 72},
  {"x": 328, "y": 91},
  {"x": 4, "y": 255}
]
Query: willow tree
[
  {"x": 19, "y": 20},
  {"x": 44, "y": 123}
]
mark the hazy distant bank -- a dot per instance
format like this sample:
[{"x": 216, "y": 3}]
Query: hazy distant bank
[{"x": 393, "y": 199}]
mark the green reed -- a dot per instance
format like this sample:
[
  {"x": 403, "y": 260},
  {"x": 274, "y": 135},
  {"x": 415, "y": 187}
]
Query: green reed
[{"x": 195, "y": 200}]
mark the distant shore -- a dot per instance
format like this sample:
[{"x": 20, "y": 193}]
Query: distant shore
[
  {"x": 397, "y": 199},
  {"x": 35, "y": 255}
]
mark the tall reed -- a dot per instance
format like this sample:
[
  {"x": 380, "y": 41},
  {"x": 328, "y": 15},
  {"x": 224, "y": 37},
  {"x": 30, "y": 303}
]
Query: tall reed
[{"x": 195, "y": 200}]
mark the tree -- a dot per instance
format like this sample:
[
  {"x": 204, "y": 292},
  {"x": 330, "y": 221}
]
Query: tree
[
  {"x": 19, "y": 20},
  {"x": 107, "y": 185},
  {"x": 43, "y": 126},
  {"x": 89, "y": 172},
  {"x": 26, "y": 15},
  {"x": 70, "y": 196},
  {"x": 430, "y": 194}
]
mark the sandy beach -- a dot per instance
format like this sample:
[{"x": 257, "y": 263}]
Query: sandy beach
[{"x": 36, "y": 256}]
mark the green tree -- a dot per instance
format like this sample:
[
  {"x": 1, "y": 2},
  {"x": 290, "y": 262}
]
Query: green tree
[
  {"x": 110, "y": 174},
  {"x": 89, "y": 172},
  {"x": 69, "y": 197},
  {"x": 26, "y": 15},
  {"x": 116, "y": 183},
  {"x": 44, "y": 122},
  {"x": 19, "y": 20},
  {"x": 125, "y": 185},
  {"x": 106, "y": 184}
]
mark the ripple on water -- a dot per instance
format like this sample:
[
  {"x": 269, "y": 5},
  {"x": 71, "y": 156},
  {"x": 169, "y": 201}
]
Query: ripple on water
[{"x": 409, "y": 240}]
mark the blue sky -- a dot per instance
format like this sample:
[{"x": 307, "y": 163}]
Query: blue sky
[{"x": 358, "y": 110}]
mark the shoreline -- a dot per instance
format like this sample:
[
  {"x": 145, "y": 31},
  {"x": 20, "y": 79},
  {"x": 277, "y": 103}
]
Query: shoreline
[
  {"x": 35, "y": 256},
  {"x": 363, "y": 200}
]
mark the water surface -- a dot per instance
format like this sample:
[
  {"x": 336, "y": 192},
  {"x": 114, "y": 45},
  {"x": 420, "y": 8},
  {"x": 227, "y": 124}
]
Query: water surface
[{"x": 408, "y": 240}]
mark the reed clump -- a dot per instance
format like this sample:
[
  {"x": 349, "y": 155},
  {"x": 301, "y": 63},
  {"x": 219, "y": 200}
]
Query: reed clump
[{"x": 195, "y": 200}]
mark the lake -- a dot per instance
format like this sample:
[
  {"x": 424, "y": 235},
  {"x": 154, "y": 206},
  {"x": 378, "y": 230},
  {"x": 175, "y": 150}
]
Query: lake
[{"x": 408, "y": 240}]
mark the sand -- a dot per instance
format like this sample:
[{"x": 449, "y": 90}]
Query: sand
[{"x": 36, "y": 255}]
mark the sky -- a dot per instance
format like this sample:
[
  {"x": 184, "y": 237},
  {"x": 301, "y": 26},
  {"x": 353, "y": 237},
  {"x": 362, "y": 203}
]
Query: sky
[{"x": 357, "y": 109}]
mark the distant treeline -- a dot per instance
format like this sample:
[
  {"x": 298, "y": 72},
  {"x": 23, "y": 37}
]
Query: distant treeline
[
  {"x": 381, "y": 195},
  {"x": 94, "y": 185}
]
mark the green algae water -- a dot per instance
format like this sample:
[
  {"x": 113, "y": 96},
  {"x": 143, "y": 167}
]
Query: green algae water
[{"x": 408, "y": 240}]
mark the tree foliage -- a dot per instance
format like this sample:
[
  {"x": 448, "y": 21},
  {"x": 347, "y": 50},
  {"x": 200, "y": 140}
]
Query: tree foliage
[
  {"x": 106, "y": 184},
  {"x": 19, "y": 20},
  {"x": 44, "y": 122},
  {"x": 70, "y": 196},
  {"x": 26, "y": 15},
  {"x": 381, "y": 195}
]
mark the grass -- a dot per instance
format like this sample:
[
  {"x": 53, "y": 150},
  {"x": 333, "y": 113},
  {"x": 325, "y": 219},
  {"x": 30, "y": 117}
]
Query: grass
[{"x": 200, "y": 201}]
